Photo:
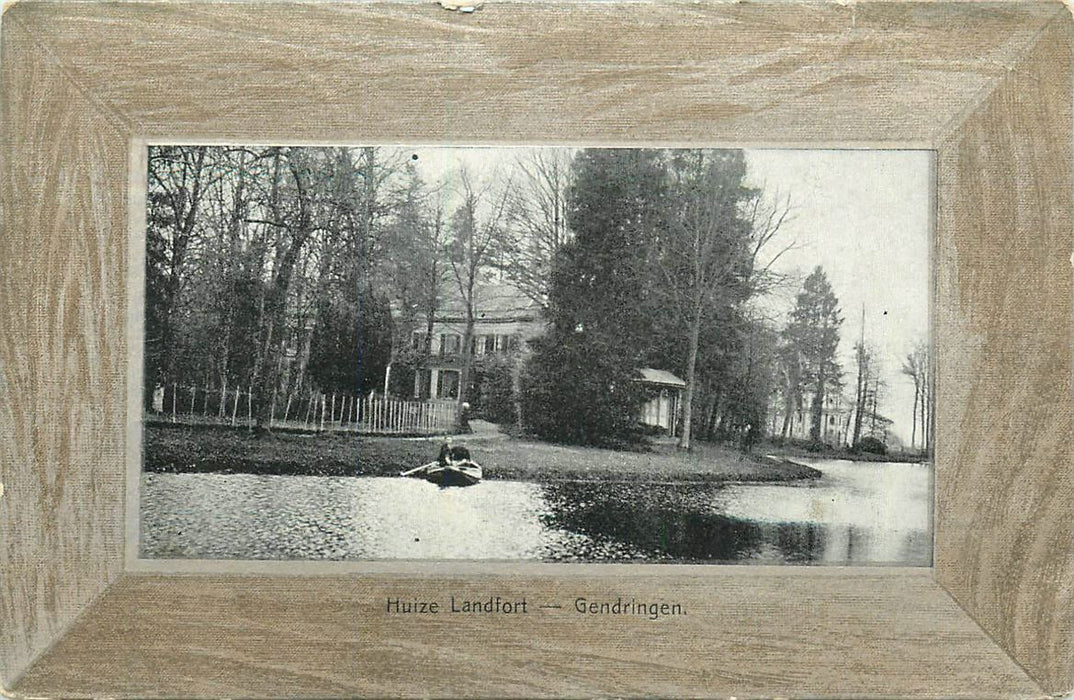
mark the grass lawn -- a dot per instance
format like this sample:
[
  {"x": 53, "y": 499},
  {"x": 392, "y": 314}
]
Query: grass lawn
[{"x": 186, "y": 449}]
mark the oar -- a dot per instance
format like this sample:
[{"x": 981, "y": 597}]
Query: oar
[{"x": 415, "y": 470}]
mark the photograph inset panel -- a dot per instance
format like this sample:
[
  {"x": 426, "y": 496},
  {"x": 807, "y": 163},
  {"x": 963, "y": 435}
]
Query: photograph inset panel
[{"x": 547, "y": 354}]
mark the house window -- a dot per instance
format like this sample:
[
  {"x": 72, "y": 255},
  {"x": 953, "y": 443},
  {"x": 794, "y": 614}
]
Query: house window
[
  {"x": 417, "y": 340},
  {"x": 450, "y": 343},
  {"x": 490, "y": 344},
  {"x": 422, "y": 383},
  {"x": 448, "y": 388}
]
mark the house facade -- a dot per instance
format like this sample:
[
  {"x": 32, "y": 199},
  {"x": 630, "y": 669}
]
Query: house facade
[
  {"x": 504, "y": 323},
  {"x": 505, "y": 319}
]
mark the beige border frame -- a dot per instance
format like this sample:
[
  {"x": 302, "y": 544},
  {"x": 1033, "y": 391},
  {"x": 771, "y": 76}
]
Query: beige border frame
[{"x": 987, "y": 86}]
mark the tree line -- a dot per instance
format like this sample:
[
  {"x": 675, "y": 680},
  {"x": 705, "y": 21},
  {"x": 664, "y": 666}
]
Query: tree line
[{"x": 290, "y": 270}]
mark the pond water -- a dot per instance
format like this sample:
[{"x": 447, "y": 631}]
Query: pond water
[{"x": 855, "y": 513}]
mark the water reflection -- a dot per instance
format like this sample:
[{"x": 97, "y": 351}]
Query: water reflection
[
  {"x": 864, "y": 512},
  {"x": 856, "y": 513}
]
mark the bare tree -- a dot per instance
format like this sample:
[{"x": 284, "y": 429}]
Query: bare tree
[
  {"x": 418, "y": 265},
  {"x": 717, "y": 231},
  {"x": 918, "y": 367},
  {"x": 178, "y": 180},
  {"x": 476, "y": 226},
  {"x": 293, "y": 216},
  {"x": 911, "y": 367},
  {"x": 863, "y": 356},
  {"x": 536, "y": 226}
]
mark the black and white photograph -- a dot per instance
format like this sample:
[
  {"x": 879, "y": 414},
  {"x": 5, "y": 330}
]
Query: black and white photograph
[{"x": 548, "y": 354}]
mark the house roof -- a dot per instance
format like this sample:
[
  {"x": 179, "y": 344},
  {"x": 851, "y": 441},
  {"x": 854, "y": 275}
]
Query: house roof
[
  {"x": 496, "y": 301},
  {"x": 661, "y": 377}
]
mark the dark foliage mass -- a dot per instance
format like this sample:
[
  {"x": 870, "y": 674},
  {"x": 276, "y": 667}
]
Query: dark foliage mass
[
  {"x": 494, "y": 399},
  {"x": 262, "y": 273},
  {"x": 871, "y": 444},
  {"x": 658, "y": 273},
  {"x": 351, "y": 343},
  {"x": 581, "y": 384},
  {"x": 574, "y": 393}
]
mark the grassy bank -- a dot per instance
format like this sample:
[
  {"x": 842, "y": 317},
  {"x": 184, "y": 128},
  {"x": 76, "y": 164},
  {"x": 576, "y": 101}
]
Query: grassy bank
[
  {"x": 794, "y": 449},
  {"x": 184, "y": 449}
]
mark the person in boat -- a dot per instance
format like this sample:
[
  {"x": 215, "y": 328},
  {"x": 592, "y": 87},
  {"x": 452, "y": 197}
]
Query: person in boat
[
  {"x": 452, "y": 454},
  {"x": 444, "y": 458}
]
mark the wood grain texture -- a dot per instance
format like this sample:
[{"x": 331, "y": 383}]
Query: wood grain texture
[
  {"x": 761, "y": 633},
  {"x": 62, "y": 352},
  {"x": 539, "y": 72},
  {"x": 987, "y": 84},
  {"x": 1004, "y": 477}
]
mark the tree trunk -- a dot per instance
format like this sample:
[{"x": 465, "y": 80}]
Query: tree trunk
[
  {"x": 427, "y": 351},
  {"x": 859, "y": 399},
  {"x": 913, "y": 430},
  {"x": 788, "y": 413},
  {"x": 461, "y": 423},
  {"x": 710, "y": 414},
  {"x": 516, "y": 389},
  {"x": 276, "y": 305},
  {"x": 691, "y": 371},
  {"x": 818, "y": 406}
]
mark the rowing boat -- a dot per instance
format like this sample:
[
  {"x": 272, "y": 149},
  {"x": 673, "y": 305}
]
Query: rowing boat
[{"x": 463, "y": 473}]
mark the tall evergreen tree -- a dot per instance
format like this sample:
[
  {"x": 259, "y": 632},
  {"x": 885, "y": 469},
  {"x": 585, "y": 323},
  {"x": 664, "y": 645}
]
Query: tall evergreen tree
[
  {"x": 812, "y": 335},
  {"x": 580, "y": 385}
]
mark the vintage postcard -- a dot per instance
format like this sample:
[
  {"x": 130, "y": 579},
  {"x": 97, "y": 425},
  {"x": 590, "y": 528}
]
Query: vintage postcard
[{"x": 685, "y": 355}]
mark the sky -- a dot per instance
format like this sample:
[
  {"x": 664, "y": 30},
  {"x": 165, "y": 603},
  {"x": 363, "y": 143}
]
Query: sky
[{"x": 863, "y": 215}]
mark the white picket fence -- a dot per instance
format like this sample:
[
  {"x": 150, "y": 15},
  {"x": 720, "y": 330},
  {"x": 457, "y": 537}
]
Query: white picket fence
[{"x": 315, "y": 413}]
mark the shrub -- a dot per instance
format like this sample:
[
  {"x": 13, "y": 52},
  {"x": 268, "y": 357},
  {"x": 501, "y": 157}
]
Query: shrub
[
  {"x": 495, "y": 401},
  {"x": 872, "y": 445},
  {"x": 576, "y": 393}
]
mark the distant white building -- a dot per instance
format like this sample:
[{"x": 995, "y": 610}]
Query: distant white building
[{"x": 834, "y": 421}]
